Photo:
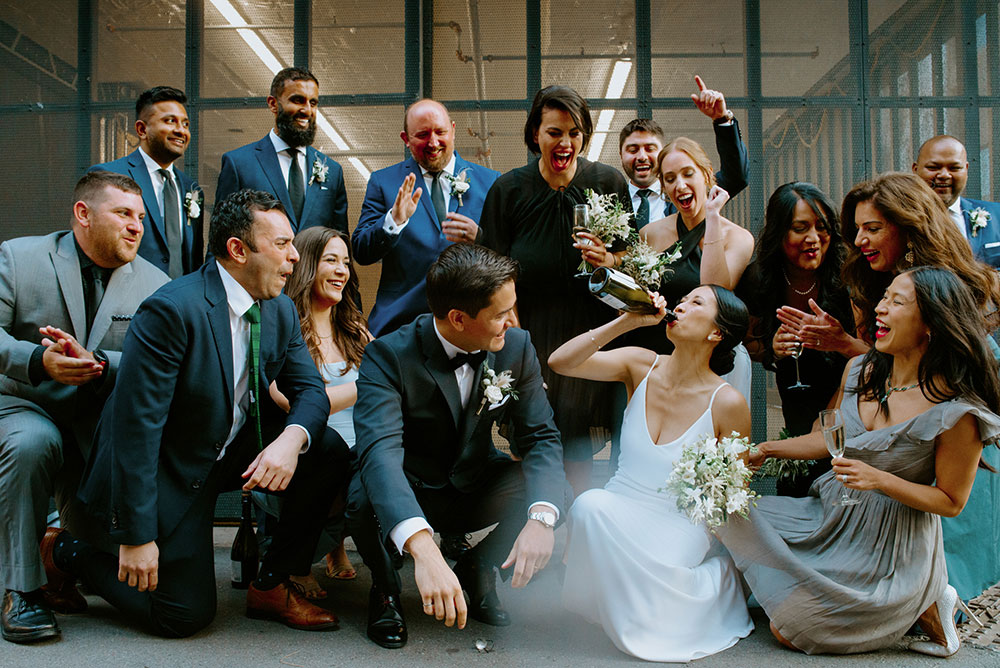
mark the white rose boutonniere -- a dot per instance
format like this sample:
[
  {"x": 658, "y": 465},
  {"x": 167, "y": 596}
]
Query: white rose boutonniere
[
  {"x": 460, "y": 184},
  {"x": 496, "y": 386},
  {"x": 193, "y": 201},
  {"x": 980, "y": 218},
  {"x": 320, "y": 170}
]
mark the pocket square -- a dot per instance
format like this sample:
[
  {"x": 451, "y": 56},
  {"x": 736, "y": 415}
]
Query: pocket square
[
  {"x": 992, "y": 244},
  {"x": 121, "y": 317},
  {"x": 499, "y": 403}
]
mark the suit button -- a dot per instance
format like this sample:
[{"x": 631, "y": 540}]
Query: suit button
[
  {"x": 165, "y": 260},
  {"x": 196, "y": 484},
  {"x": 218, "y": 446}
]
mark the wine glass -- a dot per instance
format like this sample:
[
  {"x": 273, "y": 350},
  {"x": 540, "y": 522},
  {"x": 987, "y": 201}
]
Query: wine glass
[
  {"x": 796, "y": 353},
  {"x": 581, "y": 219},
  {"x": 832, "y": 423}
]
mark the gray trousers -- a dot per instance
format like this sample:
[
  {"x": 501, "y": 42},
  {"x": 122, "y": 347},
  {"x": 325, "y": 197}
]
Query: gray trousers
[{"x": 37, "y": 461}]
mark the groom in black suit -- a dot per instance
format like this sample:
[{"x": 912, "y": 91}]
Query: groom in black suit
[{"x": 428, "y": 397}]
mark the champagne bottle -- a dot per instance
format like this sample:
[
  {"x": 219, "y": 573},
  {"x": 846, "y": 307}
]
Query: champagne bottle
[
  {"x": 244, "y": 554},
  {"x": 621, "y": 292}
]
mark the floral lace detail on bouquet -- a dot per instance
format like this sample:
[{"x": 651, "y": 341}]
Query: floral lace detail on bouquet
[
  {"x": 647, "y": 266},
  {"x": 710, "y": 480}
]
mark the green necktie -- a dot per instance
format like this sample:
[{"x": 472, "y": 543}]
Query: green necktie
[
  {"x": 437, "y": 198},
  {"x": 642, "y": 215},
  {"x": 253, "y": 317}
]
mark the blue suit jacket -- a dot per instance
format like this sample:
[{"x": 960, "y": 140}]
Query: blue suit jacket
[
  {"x": 255, "y": 166},
  {"x": 406, "y": 257},
  {"x": 171, "y": 410},
  {"x": 986, "y": 243},
  {"x": 412, "y": 430},
  {"x": 154, "y": 240}
]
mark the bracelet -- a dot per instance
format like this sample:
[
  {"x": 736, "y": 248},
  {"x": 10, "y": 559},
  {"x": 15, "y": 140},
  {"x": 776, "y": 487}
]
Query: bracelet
[
  {"x": 714, "y": 241},
  {"x": 591, "y": 332}
]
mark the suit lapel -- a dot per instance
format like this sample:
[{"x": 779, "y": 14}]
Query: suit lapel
[
  {"x": 118, "y": 288},
  {"x": 425, "y": 198},
  {"x": 218, "y": 319},
  {"x": 268, "y": 159},
  {"x": 67, "y": 266},
  {"x": 139, "y": 173},
  {"x": 186, "y": 186},
  {"x": 438, "y": 367}
]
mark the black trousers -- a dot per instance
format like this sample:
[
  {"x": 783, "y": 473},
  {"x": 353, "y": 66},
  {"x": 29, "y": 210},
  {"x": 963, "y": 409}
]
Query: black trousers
[
  {"x": 184, "y": 601},
  {"x": 501, "y": 498}
]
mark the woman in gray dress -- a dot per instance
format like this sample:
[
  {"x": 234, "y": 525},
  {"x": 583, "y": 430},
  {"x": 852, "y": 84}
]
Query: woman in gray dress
[{"x": 917, "y": 411}]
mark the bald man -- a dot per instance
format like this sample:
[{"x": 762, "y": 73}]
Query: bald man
[
  {"x": 415, "y": 209},
  {"x": 943, "y": 163}
]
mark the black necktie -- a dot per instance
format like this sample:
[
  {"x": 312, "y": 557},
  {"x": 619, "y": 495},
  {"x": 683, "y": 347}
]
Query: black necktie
[
  {"x": 296, "y": 185},
  {"x": 437, "y": 198},
  {"x": 172, "y": 224},
  {"x": 96, "y": 280},
  {"x": 472, "y": 359},
  {"x": 642, "y": 215}
]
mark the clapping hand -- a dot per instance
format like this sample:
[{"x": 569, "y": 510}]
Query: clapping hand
[
  {"x": 65, "y": 360},
  {"x": 712, "y": 103},
  {"x": 818, "y": 330},
  {"x": 406, "y": 199}
]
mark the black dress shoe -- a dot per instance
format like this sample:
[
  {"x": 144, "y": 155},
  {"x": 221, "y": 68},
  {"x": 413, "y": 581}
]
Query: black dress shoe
[
  {"x": 479, "y": 581},
  {"x": 26, "y": 619},
  {"x": 454, "y": 545},
  {"x": 386, "y": 625}
]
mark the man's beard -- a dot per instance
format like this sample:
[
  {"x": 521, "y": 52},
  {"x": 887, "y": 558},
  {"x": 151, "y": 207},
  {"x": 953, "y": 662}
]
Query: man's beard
[{"x": 292, "y": 134}]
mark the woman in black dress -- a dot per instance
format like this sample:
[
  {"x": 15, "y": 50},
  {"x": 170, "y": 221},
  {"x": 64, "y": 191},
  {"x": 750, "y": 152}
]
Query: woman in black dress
[
  {"x": 528, "y": 215},
  {"x": 799, "y": 257}
]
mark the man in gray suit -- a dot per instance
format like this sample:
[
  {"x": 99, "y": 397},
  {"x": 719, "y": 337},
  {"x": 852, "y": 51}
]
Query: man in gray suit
[{"x": 66, "y": 300}]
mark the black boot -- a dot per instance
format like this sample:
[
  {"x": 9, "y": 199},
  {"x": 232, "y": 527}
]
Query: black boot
[
  {"x": 26, "y": 619},
  {"x": 386, "y": 625},
  {"x": 479, "y": 581}
]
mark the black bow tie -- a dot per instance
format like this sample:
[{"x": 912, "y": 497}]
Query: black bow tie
[{"x": 472, "y": 359}]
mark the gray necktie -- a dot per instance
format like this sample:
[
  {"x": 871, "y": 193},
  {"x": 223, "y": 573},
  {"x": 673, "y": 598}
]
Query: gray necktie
[
  {"x": 172, "y": 224},
  {"x": 437, "y": 198},
  {"x": 642, "y": 215},
  {"x": 296, "y": 185}
]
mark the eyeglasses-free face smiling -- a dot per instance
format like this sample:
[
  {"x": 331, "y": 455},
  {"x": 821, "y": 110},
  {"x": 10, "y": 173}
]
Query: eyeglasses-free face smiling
[
  {"x": 807, "y": 239},
  {"x": 880, "y": 241},
  {"x": 684, "y": 184},
  {"x": 899, "y": 325}
]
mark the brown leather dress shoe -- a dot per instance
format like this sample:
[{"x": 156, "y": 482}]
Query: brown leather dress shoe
[
  {"x": 286, "y": 605},
  {"x": 57, "y": 578},
  {"x": 65, "y": 601}
]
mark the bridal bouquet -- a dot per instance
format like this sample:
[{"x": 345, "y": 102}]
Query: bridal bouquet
[
  {"x": 607, "y": 219},
  {"x": 710, "y": 480},
  {"x": 647, "y": 266}
]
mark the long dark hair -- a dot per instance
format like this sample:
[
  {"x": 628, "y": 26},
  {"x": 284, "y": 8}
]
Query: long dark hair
[
  {"x": 957, "y": 362},
  {"x": 350, "y": 329},
  {"x": 925, "y": 225},
  {"x": 732, "y": 319},
  {"x": 763, "y": 289}
]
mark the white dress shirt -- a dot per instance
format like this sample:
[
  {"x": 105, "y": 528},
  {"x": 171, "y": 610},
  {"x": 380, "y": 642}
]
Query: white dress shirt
[
  {"x": 657, "y": 203},
  {"x": 285, "y": 161},
  {"x": 955, "y": 211},
  {"x": 158, "y": 181},
  {"x": 392, "y": 227},
  {"x": 464, "y": 375},
  {"x": 240, "y": 301}
]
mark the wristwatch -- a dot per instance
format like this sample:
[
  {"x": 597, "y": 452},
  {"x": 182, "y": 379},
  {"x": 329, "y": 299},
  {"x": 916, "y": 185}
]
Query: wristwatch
[{"x": 548, "y": 519}]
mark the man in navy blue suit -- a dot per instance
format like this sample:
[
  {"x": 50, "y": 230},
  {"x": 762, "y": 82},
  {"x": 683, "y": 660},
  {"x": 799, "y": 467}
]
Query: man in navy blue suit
[
  {"x": 308, "y": 183},
  {"x": 415, "y": 209},
  {"x": 173, "y": 240},
  {"x": 186, "y": 420},
  {"x": 943, "y": 163},
  {"x": 642, "y": 139}
]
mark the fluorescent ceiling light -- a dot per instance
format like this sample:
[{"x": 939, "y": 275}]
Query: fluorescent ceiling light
[
  {"x": 272, "y": 63},
  {"x": 616, "y": 85}
]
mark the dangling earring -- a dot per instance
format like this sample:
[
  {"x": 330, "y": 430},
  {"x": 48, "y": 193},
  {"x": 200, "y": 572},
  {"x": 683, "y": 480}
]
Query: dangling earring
[{"x": 909, "y": 253}]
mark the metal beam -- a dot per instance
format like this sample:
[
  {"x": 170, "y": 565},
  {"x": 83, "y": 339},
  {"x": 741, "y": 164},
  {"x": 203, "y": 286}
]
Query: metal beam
[
  {"x": 194, "y": 46},
  {"x": 85, "y": 12},
  {"x": 643, "y": 61},
  {"x": 302, "y": 22}
]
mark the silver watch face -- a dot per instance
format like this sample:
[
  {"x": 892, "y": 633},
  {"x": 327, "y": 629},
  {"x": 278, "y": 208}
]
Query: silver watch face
[{"x": 548, "y": 519}]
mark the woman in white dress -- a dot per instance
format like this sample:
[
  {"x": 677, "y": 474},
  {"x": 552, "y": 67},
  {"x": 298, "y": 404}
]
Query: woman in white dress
[{"x": 663, "y": 588}]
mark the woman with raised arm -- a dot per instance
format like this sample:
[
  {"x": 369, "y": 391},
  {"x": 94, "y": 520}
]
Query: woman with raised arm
[
  {"x": 852, "y": 566},
  {"x": 528, "y": 215},
  {"x": 658, "y": 584},
  {"x": 325, "y": 290}
]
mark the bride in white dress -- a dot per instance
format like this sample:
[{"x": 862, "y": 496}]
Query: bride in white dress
[{"x": 663, "y": 588}]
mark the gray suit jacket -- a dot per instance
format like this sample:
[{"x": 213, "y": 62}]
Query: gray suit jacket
[{"x": 41, "y": 284}]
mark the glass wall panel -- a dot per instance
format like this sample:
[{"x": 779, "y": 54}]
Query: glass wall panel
[
  {"x": 804, "y": 48},
  {"x": 38, "y": 53},
  {"x": 246, "y": 43},
  {"x": 355, "y": 50}
]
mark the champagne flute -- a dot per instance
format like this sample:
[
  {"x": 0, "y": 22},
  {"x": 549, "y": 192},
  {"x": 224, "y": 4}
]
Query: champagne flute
[
  {"x": 796, "y": 353},
  {"x": 581, "y": 218},
  {"x": 832, "y": 423}
]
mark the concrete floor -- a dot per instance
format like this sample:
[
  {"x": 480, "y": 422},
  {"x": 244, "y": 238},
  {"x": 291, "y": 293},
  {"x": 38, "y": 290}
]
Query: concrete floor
[{"x": 543, "y": 634}]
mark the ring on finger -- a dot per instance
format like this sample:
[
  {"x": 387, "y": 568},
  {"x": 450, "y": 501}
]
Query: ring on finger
[
  {"x": 428, "y": 605},
  {"x": 843, "y": 477}
]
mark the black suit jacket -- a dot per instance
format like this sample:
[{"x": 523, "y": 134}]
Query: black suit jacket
[
  {"x": 171, "y": 410},
  {"x": 412, "y": 430}
]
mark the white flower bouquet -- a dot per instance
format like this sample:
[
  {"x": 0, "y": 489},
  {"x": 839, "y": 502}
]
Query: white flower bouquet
[
  {"x": 647, "y": 266},
  {"x": 710, "y": 480},
  {"x": 607, "y": 219}
]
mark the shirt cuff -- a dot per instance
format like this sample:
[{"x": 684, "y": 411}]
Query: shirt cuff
[
  {"x": 546, "y": 504},
  {"x": 391, "y": 226},
  {"x": 407, "y": 528},
  {"x": 36, "y": 367},
  {"x": 308, "y": 437}
]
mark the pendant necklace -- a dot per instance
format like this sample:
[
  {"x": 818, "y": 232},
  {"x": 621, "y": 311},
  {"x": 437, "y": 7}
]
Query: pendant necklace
[
  {"x": 890, "y": 389},
  {"x": 798, "y": 292}
]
